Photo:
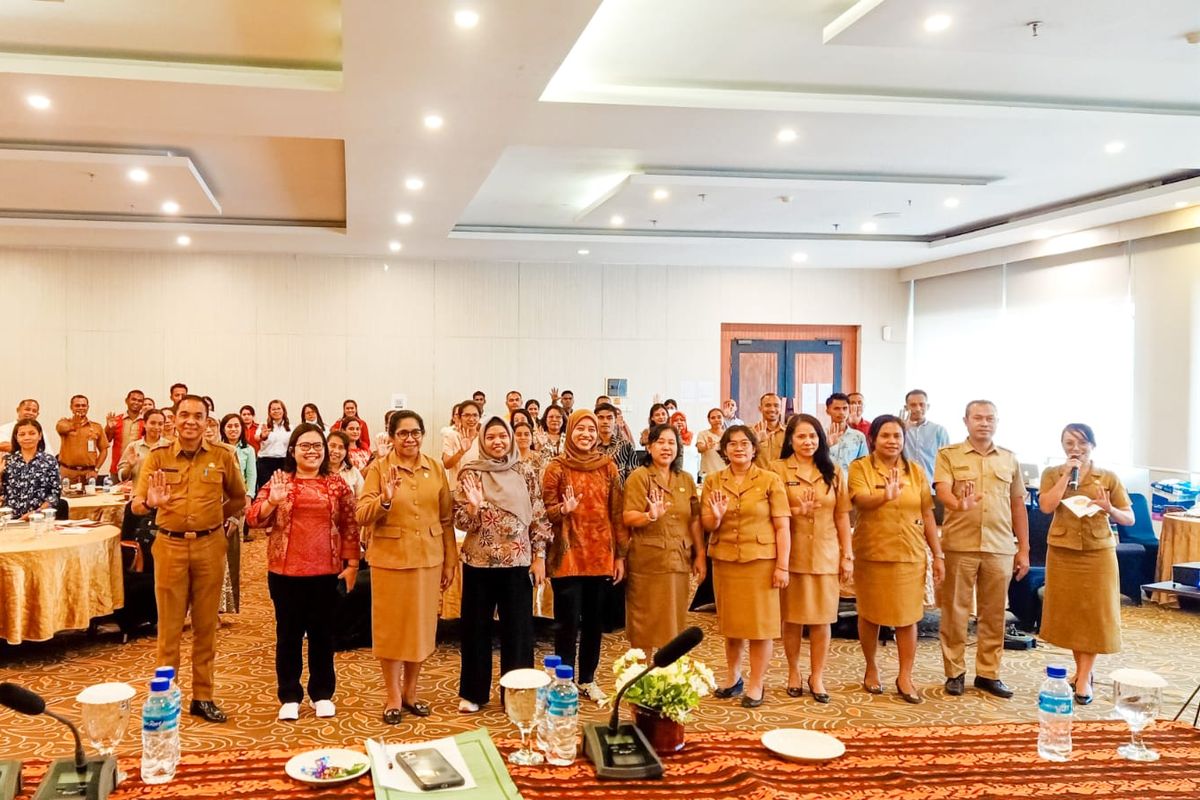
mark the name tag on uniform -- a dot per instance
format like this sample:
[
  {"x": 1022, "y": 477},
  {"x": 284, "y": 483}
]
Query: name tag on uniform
[
  {"x": 91, "y": 445},
  {"x": 793, "y": 483}
]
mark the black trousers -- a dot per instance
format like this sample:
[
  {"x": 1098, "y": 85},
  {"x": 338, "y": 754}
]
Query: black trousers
[
  {"x": 266, "y": 466},
  {"x": 579, "y": 616},
  {"x": 486, "y": 591},
  {"x": 304, "y": 606}
]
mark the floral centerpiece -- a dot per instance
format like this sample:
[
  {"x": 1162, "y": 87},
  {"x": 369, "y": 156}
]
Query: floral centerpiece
[{"x": 665, "y": 697}]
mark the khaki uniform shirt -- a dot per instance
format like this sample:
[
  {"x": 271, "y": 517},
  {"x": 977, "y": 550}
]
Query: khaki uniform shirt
[
  {"x": 130, "y": 465},
  {"x": 1085, "y": 533},
  {"x": 205, "y": 487},
  {"x": 988, "y": 527},
  {"x": 770, "y": 445},
  {"x": 896, "y": 530},
  {"x": 747, "y": 532},
  {"x": 664, "y": 545},
  {"x": 815, "y": 546},
  {"x": 418, "y": 530},
  {"x": 81, "y": 444}
]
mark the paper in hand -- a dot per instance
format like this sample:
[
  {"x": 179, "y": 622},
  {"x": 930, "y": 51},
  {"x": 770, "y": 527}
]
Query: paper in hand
[{"x": 1081, "y": 505}]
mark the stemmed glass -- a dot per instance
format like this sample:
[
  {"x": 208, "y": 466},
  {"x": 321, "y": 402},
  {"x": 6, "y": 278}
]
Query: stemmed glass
[
  {"x": 106, "y": 716},
  {"x": 520, "y": 702},
  {"x": 1137, "y": 695}
]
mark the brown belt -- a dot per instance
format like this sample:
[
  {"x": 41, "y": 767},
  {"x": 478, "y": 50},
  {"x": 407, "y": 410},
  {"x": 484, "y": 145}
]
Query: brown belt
[
  {"x": 81, "y": 468},
  {"x": 187, "y": 534}
]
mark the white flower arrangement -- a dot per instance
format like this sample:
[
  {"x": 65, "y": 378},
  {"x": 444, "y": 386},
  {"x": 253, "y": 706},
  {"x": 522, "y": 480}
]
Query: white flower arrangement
[{"x": 673, "y": 691}]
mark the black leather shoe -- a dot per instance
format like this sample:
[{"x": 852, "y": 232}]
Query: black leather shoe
[
  {"x": 956, "y": 686},
  {"x": 750, "y": 702},
  {"x": 993, "y": 686},
  {"x": 820, "y": 697},
  {"x": 207, "y": 710},
  {"x": 392, "y": 716},
  {"x": 730, "y": 691}
]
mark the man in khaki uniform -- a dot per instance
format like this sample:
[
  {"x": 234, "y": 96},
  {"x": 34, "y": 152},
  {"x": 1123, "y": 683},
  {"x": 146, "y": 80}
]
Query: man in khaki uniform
[
  {"x": 84, "y": 444},
  {"x": 769, "y": 430},
  {"x": 984, "y": 495},
  {"x": 195, "y": 486}
]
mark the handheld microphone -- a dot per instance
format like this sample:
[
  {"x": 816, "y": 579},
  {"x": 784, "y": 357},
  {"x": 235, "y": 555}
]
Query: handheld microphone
[
  {"x": 667, "y": 655},
  {"x": 23, "y": 701},
  {"x": 1073, "y": 483}
]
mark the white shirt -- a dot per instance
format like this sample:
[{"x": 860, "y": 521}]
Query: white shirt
[
  {"x": 450, "y": 444},
  {"x": 274, "y": 444}
]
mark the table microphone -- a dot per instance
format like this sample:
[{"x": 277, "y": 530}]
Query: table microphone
[
  {"x": 666, "y": 655},
  {"x": 24, "y": 701}
]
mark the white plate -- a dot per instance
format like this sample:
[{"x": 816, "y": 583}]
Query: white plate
[
  {"x": 304, "y": 766},
  {"x": 799, "y": 744}
]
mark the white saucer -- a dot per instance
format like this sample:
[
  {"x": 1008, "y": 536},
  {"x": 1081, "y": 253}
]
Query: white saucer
[
  {"x": 799, "y": 744},
  {"x": 302, "y": 767}
]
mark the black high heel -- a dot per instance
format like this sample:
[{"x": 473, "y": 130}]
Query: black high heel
[
  {"x": 820, "y": 697},
  {"x": 908, "y": 698}
]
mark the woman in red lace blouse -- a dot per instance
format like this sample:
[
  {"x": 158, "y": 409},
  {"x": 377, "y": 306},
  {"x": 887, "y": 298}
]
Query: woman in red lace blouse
[{"x": 313, "y": 544}]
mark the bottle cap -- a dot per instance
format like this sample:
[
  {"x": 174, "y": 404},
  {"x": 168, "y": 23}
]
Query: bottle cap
[
  {"x": 564, "y": 672},
  {"x": 159, "y": 685},
  {"x": 165, "y": 672},
  {"x": 1056, "y": 672},
  {"x": 550, "y": 662}
]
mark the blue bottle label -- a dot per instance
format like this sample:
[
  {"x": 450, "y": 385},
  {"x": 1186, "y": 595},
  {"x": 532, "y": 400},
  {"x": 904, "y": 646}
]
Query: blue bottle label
[{"x": 1054, "y": 705}]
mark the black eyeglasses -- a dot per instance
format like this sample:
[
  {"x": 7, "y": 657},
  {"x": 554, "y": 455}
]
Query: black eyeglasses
[
  {"x": 310, "y": 447},
  {"x": 409, "y": 434}
]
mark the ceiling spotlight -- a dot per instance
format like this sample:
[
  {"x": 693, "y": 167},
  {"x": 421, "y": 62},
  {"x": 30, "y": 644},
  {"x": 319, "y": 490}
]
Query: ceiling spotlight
[
  {"x": 395, "y": 246},
  {"x": 661, "y": 194},
  {"x": 869, "y": 227},
  {"x": 786, "y": 135},
  {"x": 433, "y": 121},
  {"x": 583, "y": 252},
  {"x": 799, "y": 258},
  {"x": 38, "y": 101},
  {"x": 1112, "y": 148},
  {"x": 616, "y": 219},
  {"x": 950, "y": 202},
  {"x": 1182, "y": 204},
  {"x": 404, "y": 218},
  {"x": 170, "y": 207},
  {"x": 414, "y": 184},
  {"x": 183, "y": 240},
  {"x": 138, "y": 175},
  {"x": 466, "y": 18},
  {"x": 937, "y": 23}
]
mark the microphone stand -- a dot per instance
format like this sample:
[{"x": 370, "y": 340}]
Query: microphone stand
[{"x": 81, "y": 762}]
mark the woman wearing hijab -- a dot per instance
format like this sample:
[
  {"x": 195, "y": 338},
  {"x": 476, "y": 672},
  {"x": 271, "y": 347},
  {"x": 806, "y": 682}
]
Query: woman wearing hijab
[
  {"x": 499, "y": 506},
  {"x": 581, "y": 490}
]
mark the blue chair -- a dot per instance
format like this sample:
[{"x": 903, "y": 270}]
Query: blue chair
[
  {"x": 1024, "y": 598},
  {"x": 1141, "y": 532}
]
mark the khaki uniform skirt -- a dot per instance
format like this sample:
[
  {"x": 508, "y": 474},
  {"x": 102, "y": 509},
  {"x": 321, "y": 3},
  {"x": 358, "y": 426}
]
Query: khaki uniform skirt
[
  {"x": 890, "y": 593},
  {"x": 404, "y": 612},
  {"x": 747, "y": 605},
  {"x": 655, "y": 608},
  {"x": 1082, "y": 607},
  {"x": 810, "y": 599}
]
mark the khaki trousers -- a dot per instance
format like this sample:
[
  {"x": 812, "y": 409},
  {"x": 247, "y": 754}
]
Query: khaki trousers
[
  {"x": 189, "y": 572},
  {"x": 979, "y": 580}
]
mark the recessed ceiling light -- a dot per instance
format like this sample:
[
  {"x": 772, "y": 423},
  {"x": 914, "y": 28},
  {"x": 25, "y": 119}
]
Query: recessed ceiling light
[
  {"x": 404, "y": 218},
  {"x": 1112, "y": 148},
  {"x": 786, "y": 135},
  {"x": 1182, "y": 204},
  {"x": 869, "y": 227},
  {"x": 386, "y": 267},
  {"x": 395, "y": 246},
  {"x": 937, "y": 23},
  {"x": 38, "y": 101},
  {"x": 661, "y": 194},
  {"x": 414, "y": 184},
  {"x": 616, "y": 219},
  {"x": 170, "y": 207},
  {"x": 466, "y": 18},
  {"x": 799, "y": 258},
  {"x": 183, "y": 240},
  {"x": 950, "y": 202},
  {"x": 583, "y": 252},
  {"x": 138, "y": 175},
  {"x": 434, "y": 121}
]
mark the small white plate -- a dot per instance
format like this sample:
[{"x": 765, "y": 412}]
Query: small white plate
[
  {"x": 800, "y": 744},
  {"x": 305, "y": 767}
]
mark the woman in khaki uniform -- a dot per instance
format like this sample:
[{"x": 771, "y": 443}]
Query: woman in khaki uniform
[
  {"x": 746, "y": 510},
  {"x": 1082, "y": 610},
  {"x": 664, "y": 545},
  {"x": 820, "y": 553},
  {"x": 407, "y": 509},
  {"x": 895, "y": 525}
]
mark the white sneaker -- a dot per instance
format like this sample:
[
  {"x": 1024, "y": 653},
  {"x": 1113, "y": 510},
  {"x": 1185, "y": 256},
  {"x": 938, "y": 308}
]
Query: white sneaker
[
  {"x": 325, "y": 708},
  {"x": 593, "y": 691},
  {"x": 467, "y": 707},
  {"x": 289, "y": 712}
]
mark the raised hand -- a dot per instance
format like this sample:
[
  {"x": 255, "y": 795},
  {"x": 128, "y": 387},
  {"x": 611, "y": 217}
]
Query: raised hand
[
  {"x": 158, "y": 492},
  {"x": 891, "y": 487},
  {"x": 1104, "y": 501},
  {"x": 718, "y": 502},
  {"x": 807, "y": 503},
  {"x": 112, "y": 419},
  {"x": 472, "y": 492},
  {"x": 836, "y": 431},
  {"x": 554, "y": 395},
  {"x": 279, "y": 488},
  {"x": 465, "y": 439},
  {"x": 570, "y": 501},
  {"x": 656, "y": 504},
  {"x": 388, "y": 483},
  {"x": 969, "y": 497}
]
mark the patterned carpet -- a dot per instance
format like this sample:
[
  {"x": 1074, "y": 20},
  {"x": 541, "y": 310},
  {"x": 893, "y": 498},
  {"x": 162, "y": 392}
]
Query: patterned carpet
[{"x": 1157, "y": 639}]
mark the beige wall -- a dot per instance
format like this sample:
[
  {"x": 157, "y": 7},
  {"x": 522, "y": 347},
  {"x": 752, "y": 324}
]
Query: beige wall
[{"x": 250, "y": 328}]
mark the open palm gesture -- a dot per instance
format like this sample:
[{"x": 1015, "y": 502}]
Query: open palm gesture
[
  {"x": 472, "y": 492},
  {"x": 570, "y": 501},
  {"x": 656, "y": 504},
  {"x": 891, "y": 486},
  {"x": 389, "y": 482},
  {"x": 718, "y": 503},
  {"x": 969, "y": 497},
  {"x": 805, "y": 504},
  {"x": 279, "y": 488},
  {"x": 158, "y": 492}
]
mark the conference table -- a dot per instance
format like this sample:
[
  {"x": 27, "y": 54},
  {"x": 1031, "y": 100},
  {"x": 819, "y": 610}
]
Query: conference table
[
  {"x": 102, "y": 507},
  {"x": 1178, "y": 543},
  {"x": 917, "y": 763},
  {"x": 57, "y": 581}
]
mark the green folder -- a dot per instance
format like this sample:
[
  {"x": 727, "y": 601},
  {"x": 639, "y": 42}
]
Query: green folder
[{"x": 487, "y": 768}]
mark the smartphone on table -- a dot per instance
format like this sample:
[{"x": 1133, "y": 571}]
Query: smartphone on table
[{"x": 429, "y": 769}]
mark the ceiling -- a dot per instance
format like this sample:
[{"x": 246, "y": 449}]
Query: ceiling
[{"x": 644, "y": 133}]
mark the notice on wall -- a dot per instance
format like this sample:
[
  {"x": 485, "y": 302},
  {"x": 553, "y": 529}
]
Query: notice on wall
[{"x": 399, "y": 401}]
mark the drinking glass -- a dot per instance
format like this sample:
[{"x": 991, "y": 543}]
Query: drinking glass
[
  {"x": 105, "y": 708},
  {"x": 37, "y": 523},
  {"x": 520, "y": 702},
  {"x": 6, "y": 515},
  {"x": 1137, "y": 695}
]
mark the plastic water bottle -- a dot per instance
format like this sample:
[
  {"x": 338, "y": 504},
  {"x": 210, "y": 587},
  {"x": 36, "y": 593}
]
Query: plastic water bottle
[
  {"x": 160, "y": 734},
  {"x": 562, "y": 716},
  {"x": 91, "y": 485},
  {"x": 1056, "y": 707},
  {"x": 550, "y": 664},
  {"x": 174, "y": 692}
]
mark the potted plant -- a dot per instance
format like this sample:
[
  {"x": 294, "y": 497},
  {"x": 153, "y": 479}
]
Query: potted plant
[{"x": 664, "y": 698}]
